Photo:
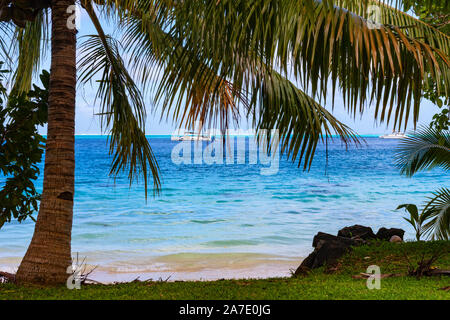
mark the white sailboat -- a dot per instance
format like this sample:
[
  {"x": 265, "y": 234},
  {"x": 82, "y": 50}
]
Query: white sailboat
[
  {"x": 191, "y": 136},
  {"x": 394, "y": 135}
]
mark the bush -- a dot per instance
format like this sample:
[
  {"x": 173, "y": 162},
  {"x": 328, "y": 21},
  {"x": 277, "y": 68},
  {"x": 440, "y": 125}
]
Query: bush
[{"x": 21, "y": 148}]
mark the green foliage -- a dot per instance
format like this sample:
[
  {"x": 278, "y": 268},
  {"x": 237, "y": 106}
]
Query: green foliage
[
  {"x": 427, "y": 149},
  {"x": 122, "y": 108},
  {"x": 21, "y": 149},
  {"x": 441, "y": 121},
  {"x": 438, "y": 211},
  {"x": 390, "y": 256},
  {"x": 214, "y": 56},
  {"x": 437, "y": 15},
  {"x": 416, "y": 220}
]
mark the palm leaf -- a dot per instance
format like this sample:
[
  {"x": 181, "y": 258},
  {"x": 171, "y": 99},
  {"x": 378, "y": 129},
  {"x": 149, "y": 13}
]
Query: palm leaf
[
  {"x": 6, "y": 32},
  {"x": 192, "y": 92},
  {"x": 301, "y": 121},
  {"x": 391, "y": 16},
  {"x": 426, "y": 149},
  {"x": 318, "y": 47},
  {"x": 8, "y": 45},
  {"x": 410, "y": 26},
  {"x": 32, "y": 44},
  {"x": 438, "y": 210},
  {"x": 122, "y": 109},
  {"x": 230, "y": 40},
  {"x": 122, "y": 106}
]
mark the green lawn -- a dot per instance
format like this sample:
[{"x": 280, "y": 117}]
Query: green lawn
[{"x": 320, "y": 284}]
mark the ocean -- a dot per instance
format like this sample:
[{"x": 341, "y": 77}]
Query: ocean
[{"x": 215, "y": 221}]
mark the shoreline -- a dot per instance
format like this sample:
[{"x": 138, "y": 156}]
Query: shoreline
[
  {"x": 343, "y": 282},
  {"x": 183, "y": 267},
  {"x": 260, "y": 272}
]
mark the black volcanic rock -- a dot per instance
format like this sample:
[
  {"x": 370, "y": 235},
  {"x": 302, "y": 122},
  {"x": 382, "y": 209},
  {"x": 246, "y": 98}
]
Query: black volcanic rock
[
  {"x": 386, "y": 234},
  {"x": 357, "y": 231},
  {"x": 328, "y": 249},
  {"x": 307, "y": 263},
  {"x": 321, "y": 236},
  {"x": 329, "y": 252}
]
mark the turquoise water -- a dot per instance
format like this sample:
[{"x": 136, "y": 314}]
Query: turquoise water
[{"x": 207, "y": 213}]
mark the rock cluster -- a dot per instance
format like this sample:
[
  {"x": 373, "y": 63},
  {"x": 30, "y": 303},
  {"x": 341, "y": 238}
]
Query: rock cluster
[{"x": 329, "y": 248}]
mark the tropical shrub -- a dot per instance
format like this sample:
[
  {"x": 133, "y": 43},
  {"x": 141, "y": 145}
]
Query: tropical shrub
[
  {"x": 415, "y": 219},
  {"x": 21, "y": 149}
]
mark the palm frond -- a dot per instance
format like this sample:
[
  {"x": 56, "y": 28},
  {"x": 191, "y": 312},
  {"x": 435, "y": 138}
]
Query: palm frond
[
  {"x": 382, "y": 65},
  {"x": 438, "y": 210},
  {"x": 201, "y": 44},
  {"x": 318, "y": 47},
  {"x": 207, "y": 98},
  {"x": 391, "y": 16},
  {"x": 159, "y": 10},
  {"x": 194, "y": 92},
  {"x": 5, "y": 31},
  {"x": 230, "y": 39},
  {"x": 301, "y": 121},
  {"x": 426, "y": 149},
  {"x": 122, "y": 109},
  {"x": 188, "y": 88},
  {"x": 6, "y": 38},
  {"x": 32, "y": 44},
  {"x": 122, "y": 105},
  {"x": 410, "y": 26}
]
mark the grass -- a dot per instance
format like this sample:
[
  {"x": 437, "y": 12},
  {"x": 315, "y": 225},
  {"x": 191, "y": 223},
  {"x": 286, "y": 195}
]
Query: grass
[{"x": 319, "y": 284}]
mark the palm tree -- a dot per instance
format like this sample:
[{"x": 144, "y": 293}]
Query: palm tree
[
  {"x": 424, "y": 150},
  {"x": 49, "y": 254},
  {"x": 205, "y": 60}
]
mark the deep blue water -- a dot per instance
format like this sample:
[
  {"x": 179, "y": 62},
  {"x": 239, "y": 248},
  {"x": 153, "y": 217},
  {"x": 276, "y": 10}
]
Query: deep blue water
[{"x": 211, "y": 209}]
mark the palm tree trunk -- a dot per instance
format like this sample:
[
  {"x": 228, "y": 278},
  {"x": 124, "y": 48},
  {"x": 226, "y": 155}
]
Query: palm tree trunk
[{"x": 49, "y": 253}]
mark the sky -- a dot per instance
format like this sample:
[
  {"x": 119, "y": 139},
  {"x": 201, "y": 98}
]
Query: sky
[{"x": 89, "y": 124}]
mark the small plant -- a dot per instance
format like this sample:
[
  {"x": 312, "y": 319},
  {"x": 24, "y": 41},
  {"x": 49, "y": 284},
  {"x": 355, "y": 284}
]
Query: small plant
[
  {"x": 415, "y": 219},
  {"x": 425, "y": 266}
]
